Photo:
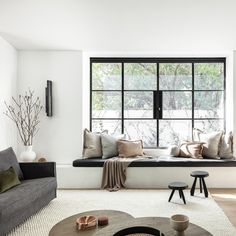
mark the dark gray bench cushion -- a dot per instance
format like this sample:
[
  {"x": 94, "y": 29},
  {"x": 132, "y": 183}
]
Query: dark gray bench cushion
[
  {"x": 20, "y": 198},
  {"x": 163, "y": 161}
]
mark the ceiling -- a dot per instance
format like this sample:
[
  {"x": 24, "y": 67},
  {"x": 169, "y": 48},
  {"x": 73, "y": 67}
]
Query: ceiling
[{"x": 124, "y": 25}]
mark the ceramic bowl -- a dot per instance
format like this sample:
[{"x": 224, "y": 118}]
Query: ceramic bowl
[
  {"x": 179, "y": 223},
  {"x": 86, "y": 222}
]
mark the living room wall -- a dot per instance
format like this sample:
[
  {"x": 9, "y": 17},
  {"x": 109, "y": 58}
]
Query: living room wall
[
  {"x": 8, "y": 83},
  {"x": 106, "y": 28},
  {"x": 60, "y": 136}
]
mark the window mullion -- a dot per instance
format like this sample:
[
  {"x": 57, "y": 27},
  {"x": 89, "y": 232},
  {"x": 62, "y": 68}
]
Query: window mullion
[
  {"x": 122, "y": 98},
  {"x": 192, "y": 97},
  {"x": 157, "y": 120}
]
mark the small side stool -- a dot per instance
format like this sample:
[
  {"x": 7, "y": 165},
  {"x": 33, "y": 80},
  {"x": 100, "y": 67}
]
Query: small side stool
[
  {"x": 180, "y": 186},
  {"x": 201, "y": 175}
]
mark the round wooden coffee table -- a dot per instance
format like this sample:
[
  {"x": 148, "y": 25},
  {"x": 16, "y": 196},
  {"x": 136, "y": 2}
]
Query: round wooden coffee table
[
  {"x": 120, "y": 220},
  {"x": 68, "y": 227}
]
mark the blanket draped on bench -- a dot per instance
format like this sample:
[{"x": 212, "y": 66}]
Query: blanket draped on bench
[{"x": 114, "y": 172}]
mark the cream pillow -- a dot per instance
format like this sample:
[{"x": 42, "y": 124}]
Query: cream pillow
[
  {"x": 191, "y": 150},
  {"x": 226, "y": 146},
  {"x": 211, "y": 142},
  {"x": 92, "y": 144},
  {"x": 127, "y": 148}
]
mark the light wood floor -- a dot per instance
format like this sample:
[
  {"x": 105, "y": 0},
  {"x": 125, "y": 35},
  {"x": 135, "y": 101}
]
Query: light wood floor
[{"x": 226, "y": 199}]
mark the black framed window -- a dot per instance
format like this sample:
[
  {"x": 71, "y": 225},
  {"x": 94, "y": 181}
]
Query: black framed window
[{"x": 158, "y": 100}]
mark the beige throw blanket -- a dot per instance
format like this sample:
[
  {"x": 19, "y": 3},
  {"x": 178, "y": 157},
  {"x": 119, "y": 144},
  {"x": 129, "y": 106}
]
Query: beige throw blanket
[{"x": 114, "y": 172}]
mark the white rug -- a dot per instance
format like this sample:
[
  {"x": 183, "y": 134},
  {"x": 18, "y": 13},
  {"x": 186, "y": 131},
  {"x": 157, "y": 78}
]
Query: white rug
[{"x": 139, "y": 203}]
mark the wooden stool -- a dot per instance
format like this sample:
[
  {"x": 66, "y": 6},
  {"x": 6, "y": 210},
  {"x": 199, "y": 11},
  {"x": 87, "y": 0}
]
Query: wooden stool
[
  {"x": 201, "y": 175},
  {"x": 177, "y": 186}
]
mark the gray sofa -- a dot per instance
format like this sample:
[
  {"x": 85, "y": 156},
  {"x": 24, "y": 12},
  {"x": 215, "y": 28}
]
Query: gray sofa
[{"x": 38, "y": 187}]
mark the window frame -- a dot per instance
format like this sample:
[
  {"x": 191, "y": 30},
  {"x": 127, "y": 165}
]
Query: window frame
[{"x": 189, "y": 60}]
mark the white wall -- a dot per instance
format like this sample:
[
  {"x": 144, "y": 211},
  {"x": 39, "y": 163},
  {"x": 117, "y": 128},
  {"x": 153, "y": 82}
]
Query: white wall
[
  {"x": 60, "y": 136},
  {"x": 8, "y": 80}
]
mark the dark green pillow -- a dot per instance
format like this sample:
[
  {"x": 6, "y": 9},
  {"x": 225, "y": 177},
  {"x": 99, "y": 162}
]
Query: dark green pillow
[{"x": 8, "y": 179}]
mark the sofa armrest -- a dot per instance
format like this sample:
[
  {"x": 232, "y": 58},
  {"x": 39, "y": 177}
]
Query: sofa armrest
[{"x": 35, "y": 170}]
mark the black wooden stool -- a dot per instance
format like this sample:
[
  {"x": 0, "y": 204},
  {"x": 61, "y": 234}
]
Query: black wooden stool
[
  {"x": 201, "y": 175},
  {"x": 177, "y": 186}
]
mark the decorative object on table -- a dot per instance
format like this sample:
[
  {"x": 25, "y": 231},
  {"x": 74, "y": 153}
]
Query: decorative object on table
[
  {"x": 103, "y": 220},
  {"x": 86, "y": 222},
  {"x": 25, "y": 114},
  {"x": 48, "y": 98},
  {"x": 179, "y": 223},
  {"x": 180, "y": 186},
  {"x": 42, "y": 159},
  {"x": 201, "y": 175}
]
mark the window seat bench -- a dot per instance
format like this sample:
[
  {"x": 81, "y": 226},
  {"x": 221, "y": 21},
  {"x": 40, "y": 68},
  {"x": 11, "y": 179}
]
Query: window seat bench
[
  {"x": 162, "y": 161},
  {"x": 151, "y": 173}
]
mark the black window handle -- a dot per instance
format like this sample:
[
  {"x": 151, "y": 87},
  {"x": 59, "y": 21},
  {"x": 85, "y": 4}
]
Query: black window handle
[{"x": 157, "y": 104}]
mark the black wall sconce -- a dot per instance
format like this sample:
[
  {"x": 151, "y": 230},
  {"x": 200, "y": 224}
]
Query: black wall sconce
[{"x": 48, "y": 98}]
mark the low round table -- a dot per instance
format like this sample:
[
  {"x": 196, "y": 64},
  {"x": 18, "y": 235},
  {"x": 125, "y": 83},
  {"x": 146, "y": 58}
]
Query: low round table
[
  {"x": 120, "y": 220},
  {"x": 180, "y": 186},
  {"x": 201, "y": 175}
]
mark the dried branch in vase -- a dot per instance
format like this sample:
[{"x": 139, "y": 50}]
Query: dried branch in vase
[{"x": 25, "y": 114}]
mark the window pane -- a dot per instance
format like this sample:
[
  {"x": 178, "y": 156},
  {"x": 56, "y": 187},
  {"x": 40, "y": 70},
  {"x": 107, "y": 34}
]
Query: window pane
[
  {"x": 113, "y": 126},
  {"x": 106, "y": 104},
  {"x": 208, "y": 104},
  {"x": 173, "y": 132},
  {"x": 175, "y": 76},
  {"x": 138, "y": 104},
  {"x": 140, "y": 76},
  {"x": 209, "y": 76},
  {"x": 106, "y": 76},
  {"x": 177, "y": 104},
  {"x": 209, "y": 125},
  {"x": 145, "y": 130}
]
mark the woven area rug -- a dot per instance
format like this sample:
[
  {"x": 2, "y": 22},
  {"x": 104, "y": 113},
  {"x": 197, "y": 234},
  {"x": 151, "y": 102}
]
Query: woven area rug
[{"x": 140, "y": 203}]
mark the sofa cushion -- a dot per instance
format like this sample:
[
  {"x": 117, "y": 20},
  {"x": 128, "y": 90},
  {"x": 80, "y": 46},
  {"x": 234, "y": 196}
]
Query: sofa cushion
[
  {"x": 8, "y": 159},
  {"x": 162, "y": 161},
  {"x": 22, "y": 196},
  {"x": 8, "y": 179}
]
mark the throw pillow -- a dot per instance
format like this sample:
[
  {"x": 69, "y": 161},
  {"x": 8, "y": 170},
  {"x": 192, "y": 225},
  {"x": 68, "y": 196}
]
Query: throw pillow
[
  {"x": 109, "y": 145},
  {"x": 191, "y": 150},
  {"x": 8, "y": 179},
  {"x": 92, "y": 144},
  {"x": 211, "y": 142},
  {"x": 174, "y": 151},
  {"x": 226, "y": 146},
  {"x": 128, "y": 148},
  {"x": 8, "y": 159}
]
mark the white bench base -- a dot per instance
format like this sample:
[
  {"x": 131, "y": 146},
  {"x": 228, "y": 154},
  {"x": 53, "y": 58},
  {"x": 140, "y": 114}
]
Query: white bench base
[{"x": 144, "y": 177}]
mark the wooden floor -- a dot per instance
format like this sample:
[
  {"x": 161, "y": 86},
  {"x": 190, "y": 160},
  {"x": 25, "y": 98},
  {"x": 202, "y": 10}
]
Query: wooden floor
[{"x": 226, "y": 199}]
